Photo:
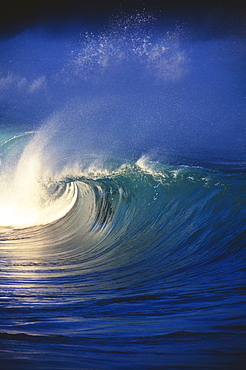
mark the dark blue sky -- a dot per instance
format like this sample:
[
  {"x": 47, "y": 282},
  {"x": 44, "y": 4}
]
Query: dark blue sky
[{"x": 16, "y": 15}]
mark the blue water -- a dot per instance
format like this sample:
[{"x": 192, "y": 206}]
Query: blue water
[{"x": 122, "y": 197}]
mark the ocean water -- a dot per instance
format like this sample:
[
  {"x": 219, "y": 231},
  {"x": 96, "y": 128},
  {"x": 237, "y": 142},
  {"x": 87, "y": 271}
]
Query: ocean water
[{"x": 122, "y": 197}]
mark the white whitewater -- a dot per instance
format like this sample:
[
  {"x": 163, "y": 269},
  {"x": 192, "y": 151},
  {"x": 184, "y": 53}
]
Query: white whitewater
[{"x": 26, "y": 198}]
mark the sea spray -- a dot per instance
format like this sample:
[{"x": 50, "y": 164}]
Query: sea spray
[{"x": 27, "y": 197}]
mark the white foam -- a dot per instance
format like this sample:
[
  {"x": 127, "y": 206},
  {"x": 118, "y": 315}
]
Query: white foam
[{"x": 24, "y": 198}]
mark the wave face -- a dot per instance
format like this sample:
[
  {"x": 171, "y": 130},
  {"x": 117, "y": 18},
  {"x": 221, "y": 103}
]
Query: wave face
[
  {"x": 145, "y": 267},
  {"x": 122, "y": 211}
]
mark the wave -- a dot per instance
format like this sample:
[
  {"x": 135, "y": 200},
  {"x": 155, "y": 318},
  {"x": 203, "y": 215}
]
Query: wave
[
  {"x": 132, "y": 205},
  {"x": 122, "y": 218},
  {"x": 154, "y": 252}
]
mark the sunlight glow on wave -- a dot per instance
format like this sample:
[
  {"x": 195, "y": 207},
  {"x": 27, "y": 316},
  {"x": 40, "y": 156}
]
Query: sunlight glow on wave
[{"x": 27, "y": 197}]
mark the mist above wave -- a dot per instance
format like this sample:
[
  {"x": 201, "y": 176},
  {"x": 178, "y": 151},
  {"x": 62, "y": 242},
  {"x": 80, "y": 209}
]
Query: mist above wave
[{"x": 134, "y": 86}]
